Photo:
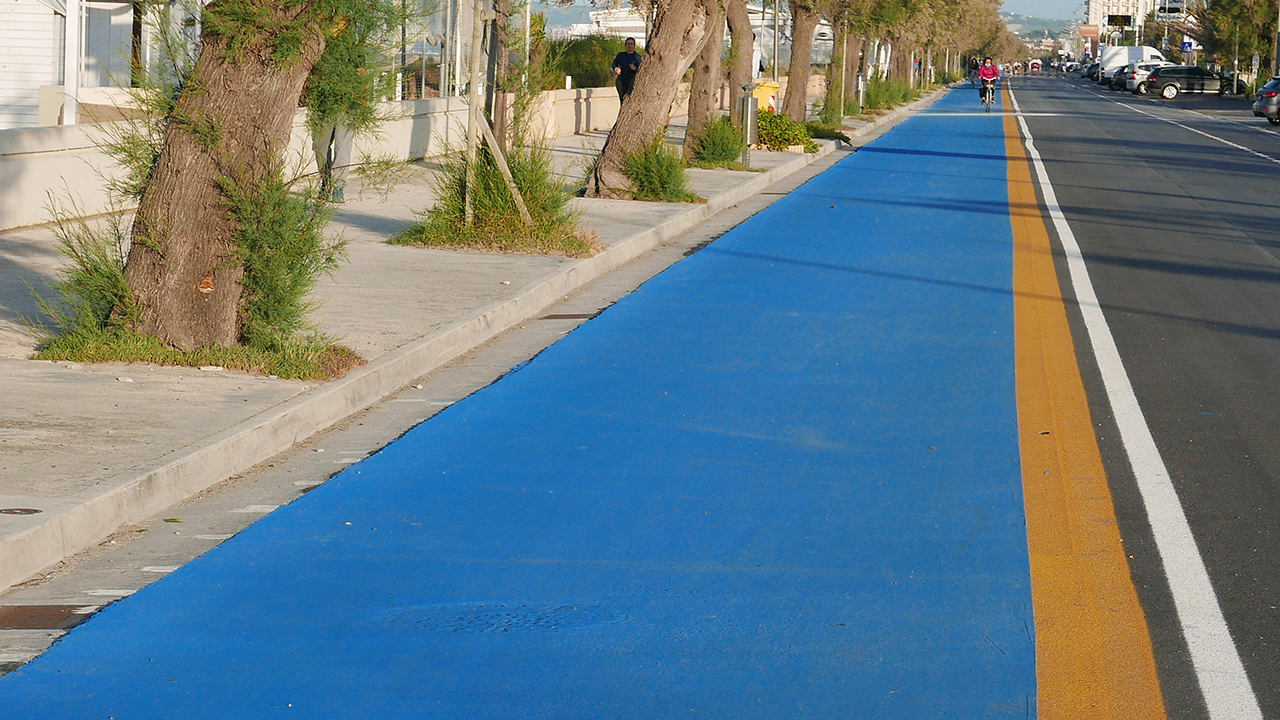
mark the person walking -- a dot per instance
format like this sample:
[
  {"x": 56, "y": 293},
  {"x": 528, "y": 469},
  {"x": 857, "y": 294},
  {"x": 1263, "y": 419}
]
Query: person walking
[{"x": 625, "y": 66}]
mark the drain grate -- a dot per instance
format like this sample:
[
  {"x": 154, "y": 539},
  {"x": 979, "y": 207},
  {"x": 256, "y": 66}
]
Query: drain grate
[
  {"x": 44, "y": 617},
  {"x": 501, "y": 618}
]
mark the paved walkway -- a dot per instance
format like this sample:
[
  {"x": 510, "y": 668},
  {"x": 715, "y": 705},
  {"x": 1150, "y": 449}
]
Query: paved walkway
[{"x": 781, "y": 480}]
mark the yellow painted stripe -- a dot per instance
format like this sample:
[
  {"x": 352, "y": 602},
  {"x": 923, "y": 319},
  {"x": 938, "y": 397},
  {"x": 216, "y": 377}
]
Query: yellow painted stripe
[{"x": 1093, "y": 649}]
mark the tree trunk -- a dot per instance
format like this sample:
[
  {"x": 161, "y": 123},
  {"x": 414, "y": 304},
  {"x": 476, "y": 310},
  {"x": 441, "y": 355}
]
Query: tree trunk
[
  {"x": 501, "y": 31},
  {"x": 854, "y": 57},
  {"x": 704, "y": 93},
  {"x": 232, "y": 121},
  {"x": 803, "y": 22},
  {"x": 680, "y": 28},
  {"x": 741, "y": 51},
  {"x": 834, "y": 102},
  {"x": 899, "y": 65}
]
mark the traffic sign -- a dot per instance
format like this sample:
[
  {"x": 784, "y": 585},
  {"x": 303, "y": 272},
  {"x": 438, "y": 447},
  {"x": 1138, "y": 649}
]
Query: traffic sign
[{"x": 1186, "y": 46}]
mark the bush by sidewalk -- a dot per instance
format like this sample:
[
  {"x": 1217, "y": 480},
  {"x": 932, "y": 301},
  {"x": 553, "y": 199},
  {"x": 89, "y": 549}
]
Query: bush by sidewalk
[{"x": 497, "y": 225}]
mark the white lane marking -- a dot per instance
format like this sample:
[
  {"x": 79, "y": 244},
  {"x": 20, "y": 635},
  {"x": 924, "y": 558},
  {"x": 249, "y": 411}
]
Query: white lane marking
[
  {"x": 1223, "y": 681},
  {"x": 259, "y": 509},
  {"x": 1224, "y": 141},
  {"x": 308, "y": 483},
  {"x": 160, "y": 568},
  {"x": 975, "y": 113},
  {"x": 110, "y": 593},
  {"x": 347, "y": 461},
  {"x": 215, "y": 536}
]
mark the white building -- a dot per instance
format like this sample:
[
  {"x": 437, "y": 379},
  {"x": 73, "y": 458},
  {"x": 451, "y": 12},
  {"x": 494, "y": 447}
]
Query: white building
[
  {"x": 32, "y": 51},
  {"x": 1108, "y": 15}
]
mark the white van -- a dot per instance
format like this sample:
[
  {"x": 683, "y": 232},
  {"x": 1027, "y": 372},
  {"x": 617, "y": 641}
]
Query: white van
[{"x": 1112, "y": 59}]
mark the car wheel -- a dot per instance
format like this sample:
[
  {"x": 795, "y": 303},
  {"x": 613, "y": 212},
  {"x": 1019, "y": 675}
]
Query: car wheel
[
  {"x": 1141, "y": 89},
  {"x": 1169, "y": 92},
  {"x": 1274, "y": 120}
]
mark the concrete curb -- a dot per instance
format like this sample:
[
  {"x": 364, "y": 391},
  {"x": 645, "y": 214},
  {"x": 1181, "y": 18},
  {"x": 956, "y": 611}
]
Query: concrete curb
[{"x": 89, "y": 517}]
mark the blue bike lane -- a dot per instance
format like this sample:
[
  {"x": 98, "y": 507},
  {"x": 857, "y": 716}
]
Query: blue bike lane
[{"x": 781, "y": 480}]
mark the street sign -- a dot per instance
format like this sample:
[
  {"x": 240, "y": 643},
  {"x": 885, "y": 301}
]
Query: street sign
[
  {"x": 1186, "y": 46},
  {"x": 1256, "y": 61}
]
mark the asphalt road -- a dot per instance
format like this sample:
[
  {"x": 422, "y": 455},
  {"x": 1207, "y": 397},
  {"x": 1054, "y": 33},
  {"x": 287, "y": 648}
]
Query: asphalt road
[{"x": 1174, "y": 206}]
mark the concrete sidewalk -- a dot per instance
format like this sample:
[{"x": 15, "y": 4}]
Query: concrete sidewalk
[{"x": 85, "y": 449}]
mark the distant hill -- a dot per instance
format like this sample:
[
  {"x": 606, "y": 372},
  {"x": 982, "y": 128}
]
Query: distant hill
[{"x": 1034, "y": 27}]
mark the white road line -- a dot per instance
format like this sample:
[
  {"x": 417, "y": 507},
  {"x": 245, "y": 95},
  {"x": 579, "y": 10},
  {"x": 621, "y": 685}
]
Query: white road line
[
  {"x": 1223, "y": 681},
  {"x": 1224, "y": 141},
  {"x": 109, "y": 593},
  {"x": 215, "y": 536},
  {"x": 160, "y": 568}
]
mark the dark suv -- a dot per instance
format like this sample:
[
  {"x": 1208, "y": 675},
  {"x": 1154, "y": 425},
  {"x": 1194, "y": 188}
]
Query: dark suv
[{"x": 1170, "y": 80}]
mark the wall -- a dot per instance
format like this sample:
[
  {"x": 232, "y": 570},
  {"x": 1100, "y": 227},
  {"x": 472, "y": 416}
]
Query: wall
[{"x": 64, "y": 160}]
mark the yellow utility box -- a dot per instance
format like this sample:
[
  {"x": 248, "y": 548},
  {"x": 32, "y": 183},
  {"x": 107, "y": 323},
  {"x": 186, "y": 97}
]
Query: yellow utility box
[{"x": 766, "y": 94}]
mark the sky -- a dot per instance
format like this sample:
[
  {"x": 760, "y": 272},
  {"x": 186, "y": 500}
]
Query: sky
[{"x": 558, "y": 16}]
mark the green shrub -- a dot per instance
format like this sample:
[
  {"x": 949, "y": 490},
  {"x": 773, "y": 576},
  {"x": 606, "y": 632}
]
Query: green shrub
[
  {"x": 282, "y": 247},
  {"x": 779, "y": 132},
  {"x": 586, "y": 59},
  {"x": 886, "y": 94},
  {"x": 657, "y": 173},
  {"x": 496, "y": 222},
  {"x": 720, "y": 142}
]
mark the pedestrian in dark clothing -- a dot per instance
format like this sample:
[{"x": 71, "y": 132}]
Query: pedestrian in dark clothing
[{"x": 625, "y": 65}]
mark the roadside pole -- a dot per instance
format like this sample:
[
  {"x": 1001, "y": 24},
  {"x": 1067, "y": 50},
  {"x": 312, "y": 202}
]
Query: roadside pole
[
  {"x": 71, "y": 64},
  {"x": 473, "y": 107}
]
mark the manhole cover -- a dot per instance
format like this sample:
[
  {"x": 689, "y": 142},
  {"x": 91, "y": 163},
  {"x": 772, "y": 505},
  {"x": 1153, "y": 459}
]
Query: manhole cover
[{"x": 19, "y": 511}]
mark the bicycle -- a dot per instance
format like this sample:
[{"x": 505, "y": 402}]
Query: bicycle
[{"x": 988, "y": 94}]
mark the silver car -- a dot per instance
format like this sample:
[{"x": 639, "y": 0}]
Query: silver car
[
  {"x": 1135, "y": 76},
  {"x": 1268, "y": 103}
]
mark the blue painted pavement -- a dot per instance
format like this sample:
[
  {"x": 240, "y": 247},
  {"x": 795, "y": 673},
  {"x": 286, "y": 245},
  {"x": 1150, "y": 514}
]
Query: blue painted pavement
[{"x": 779, "y": 481}]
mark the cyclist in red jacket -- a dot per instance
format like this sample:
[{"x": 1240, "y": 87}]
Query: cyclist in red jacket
[{"x": 988, "y": 73}]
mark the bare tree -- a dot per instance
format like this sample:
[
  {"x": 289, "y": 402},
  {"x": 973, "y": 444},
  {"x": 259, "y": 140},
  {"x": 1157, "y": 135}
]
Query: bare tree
[
  {"x": 704, "y": 94},
  {"x": 804, "y": 20},
  {"x": 232, "y": 122},
  {"x": 680, "y": 29},
  {"x": 741, "y": 48}
]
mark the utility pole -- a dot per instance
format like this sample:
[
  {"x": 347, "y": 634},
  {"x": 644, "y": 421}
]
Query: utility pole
[
  {"x": 71, "y": 64},
  {"x": 474, "y": 106}
]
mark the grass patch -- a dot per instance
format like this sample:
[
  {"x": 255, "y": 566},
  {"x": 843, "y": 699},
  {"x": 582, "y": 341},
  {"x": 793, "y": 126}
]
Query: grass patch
[
  {"x": 827, "y": 132},
  {"x": 657, "y": 173},
  {"x": 720, "y": 142},
  {"x": 884, "y": 94},
  {"x": 497, "y": 225},
  {"x": 724, "y": 165},
  {"x": 313, "y": 358}
]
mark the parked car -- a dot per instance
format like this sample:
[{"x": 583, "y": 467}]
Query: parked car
[
  {"x": 1090, "y": 71},
  {"x": 1172, "y": 80},
  {"x": 1241, "y": 86},
  {"x": 1268, "y": 103},
  {"x": 1135, "y": 76}
]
